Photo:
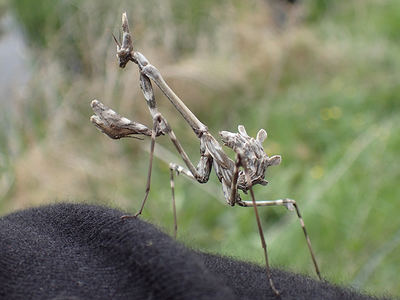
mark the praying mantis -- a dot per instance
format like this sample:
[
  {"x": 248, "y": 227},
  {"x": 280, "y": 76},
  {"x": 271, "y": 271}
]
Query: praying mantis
[{"x": 248, "y": 169}]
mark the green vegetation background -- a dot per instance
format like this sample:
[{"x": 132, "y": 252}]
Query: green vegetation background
[{"x": 322, "y": 77}]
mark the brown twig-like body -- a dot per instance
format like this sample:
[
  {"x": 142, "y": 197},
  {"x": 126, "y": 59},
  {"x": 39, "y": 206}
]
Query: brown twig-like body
[{"x": 250, "y": 155}]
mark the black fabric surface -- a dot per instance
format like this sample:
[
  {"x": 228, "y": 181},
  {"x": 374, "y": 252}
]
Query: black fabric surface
[{"x": 71, "y": 251}]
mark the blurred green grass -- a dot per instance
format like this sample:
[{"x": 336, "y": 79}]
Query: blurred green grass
[{"x": 323, "y": 81}]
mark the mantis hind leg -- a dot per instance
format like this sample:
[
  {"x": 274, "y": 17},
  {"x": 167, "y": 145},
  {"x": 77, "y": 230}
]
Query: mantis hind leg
[
  {"x": 260, "y": 229},
  {"x": 290, "y": 205}
]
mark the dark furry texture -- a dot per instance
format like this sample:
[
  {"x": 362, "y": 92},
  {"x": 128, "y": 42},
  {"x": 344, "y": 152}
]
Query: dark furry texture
[{"x": 70, "y": 251}]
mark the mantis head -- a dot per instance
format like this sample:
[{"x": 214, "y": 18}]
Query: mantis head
[{"x": 251, "y": 152}]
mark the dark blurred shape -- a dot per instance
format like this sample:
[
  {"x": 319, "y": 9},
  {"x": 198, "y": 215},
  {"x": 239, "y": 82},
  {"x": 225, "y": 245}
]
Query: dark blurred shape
[{"x": 283, "y": 11}]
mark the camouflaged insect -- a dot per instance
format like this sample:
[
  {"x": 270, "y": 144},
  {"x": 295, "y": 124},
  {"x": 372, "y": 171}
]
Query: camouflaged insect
[{"x": 247, "y": 170}]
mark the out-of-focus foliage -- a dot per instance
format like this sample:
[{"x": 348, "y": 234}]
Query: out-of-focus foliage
[{"x": 322, "y": 77}]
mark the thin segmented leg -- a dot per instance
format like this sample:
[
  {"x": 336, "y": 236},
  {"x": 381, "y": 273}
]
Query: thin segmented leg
[
  {"x": 174, "y": 167},
  {"x": 288, "y": 203},
  {"x": 152, "y": 145},
  {"x": 179, "y": 170},
  {"x": 173, "y": 201},
  {"x": 291, "y": 205},
  {"x": 201, "y": 173},
  {"x": 238, "y": 164}
]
